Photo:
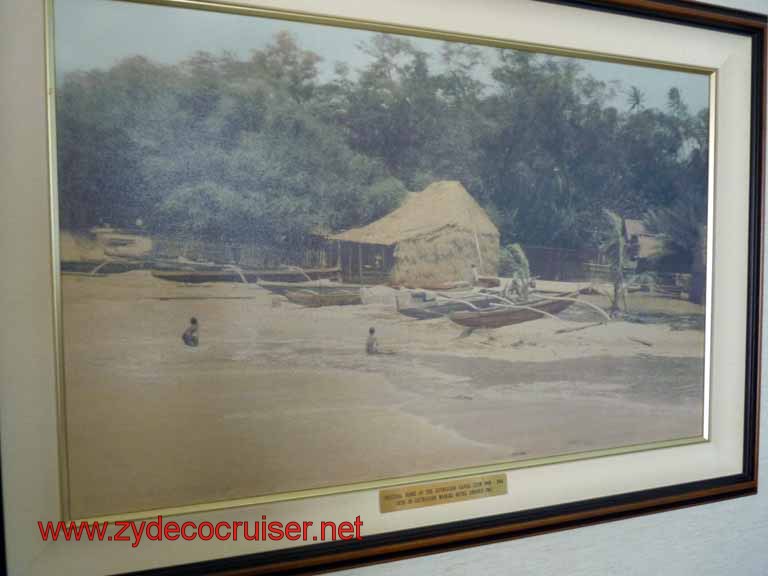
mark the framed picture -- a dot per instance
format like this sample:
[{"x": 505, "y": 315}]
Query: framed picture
[{"x": 308, "y": 286}]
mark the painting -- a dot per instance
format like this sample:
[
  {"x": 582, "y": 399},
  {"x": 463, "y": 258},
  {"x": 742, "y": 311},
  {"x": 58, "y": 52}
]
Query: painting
[{"x": 297, "y": 256}]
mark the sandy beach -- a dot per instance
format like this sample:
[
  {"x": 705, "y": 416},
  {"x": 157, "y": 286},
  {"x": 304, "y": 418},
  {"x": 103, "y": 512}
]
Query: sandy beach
[{"x": 279, "y": 397}]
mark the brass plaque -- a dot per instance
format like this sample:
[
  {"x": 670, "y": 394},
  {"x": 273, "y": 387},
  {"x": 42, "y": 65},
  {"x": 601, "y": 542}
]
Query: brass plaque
[{"x": 443, "y": 492}]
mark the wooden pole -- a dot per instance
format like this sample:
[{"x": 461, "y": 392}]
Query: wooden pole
[
  {"x": 383, "y": 270},
  {"x": 479, "y": 253},
  {"x": 360, "y": 261}
]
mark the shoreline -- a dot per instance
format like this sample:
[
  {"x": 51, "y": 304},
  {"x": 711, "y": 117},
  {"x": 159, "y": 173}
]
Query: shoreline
[{"x": 280, "y": 397}]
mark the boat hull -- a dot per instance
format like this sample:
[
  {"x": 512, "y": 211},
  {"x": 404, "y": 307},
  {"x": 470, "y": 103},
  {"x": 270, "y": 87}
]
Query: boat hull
[
  {"x": 316, "y": 300},
  {"x": 499, "y": 317},
  {"x": 317, "y": 287},
  {"x": 197, "y": 276},
  {"x": 441, "y": 308},
  {"x": 202, "y": 274}
]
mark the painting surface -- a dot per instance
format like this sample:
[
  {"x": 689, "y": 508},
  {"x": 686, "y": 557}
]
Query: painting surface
[{"x": 296, "y": 256}]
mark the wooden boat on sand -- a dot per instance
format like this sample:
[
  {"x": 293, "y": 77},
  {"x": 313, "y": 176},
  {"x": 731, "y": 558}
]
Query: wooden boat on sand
[
  {"x": 318, "y": 299},
  {"x": 100, "y": 267},
  {"x": 198, "y": 276},
  {"x": 440, "y": 287},
  {"x": 318, "y": 286},
  {"x": 292, "y": 274},
  {"x": 201, "y": 273},
  {"x": 422, "y": 308},
  {"x": 505, "y": 315}
]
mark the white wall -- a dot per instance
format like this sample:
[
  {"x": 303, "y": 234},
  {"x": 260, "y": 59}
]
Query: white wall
[{"x": 713, "y": 540}]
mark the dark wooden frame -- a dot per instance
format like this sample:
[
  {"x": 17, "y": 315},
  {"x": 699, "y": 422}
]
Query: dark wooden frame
[{"x": 413, "y": 542}]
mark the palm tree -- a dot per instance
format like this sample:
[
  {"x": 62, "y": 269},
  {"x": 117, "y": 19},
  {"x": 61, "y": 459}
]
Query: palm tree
[
  {"x": 635, "y": 99},
  {"x": 675, "y": 103},
  {"x": 683, "y": 230},
  {"x": 513, "y": 263},
  {"x": 613, "y": 247}
]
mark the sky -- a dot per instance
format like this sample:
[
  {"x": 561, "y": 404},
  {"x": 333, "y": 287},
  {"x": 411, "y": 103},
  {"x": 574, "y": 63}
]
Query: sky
[{"x": 98, "y": 33}]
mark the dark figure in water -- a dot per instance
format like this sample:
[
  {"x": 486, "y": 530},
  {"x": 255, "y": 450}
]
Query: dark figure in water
[
  {"x": 372, "y": 345},
  {"x": 190, "y": 337}
]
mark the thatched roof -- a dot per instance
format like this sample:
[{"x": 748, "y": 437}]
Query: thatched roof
[
  {"x": 649, "y": 246},
  {"x": 440, "y": 205},
  {"x": 634, "y": 227}
]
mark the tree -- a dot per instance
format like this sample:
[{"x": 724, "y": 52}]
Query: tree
[
  {"x": 99, "y": 153},
  {"x": 289, "y": 67},
  {"x": 682, "y": 228},
  {"x": 535, "y": 139},
  {"x": 393, "y": 112},
  {"x": 681, "y": 220},
  {"x": 513, "y": 264},
  {"x": 635, "y": 99},
  {"x": 613, "y": 248},
  {"x": 548, "y": 157}
]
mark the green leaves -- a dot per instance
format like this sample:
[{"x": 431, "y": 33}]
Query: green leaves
[{"x": 268, "y": 146}]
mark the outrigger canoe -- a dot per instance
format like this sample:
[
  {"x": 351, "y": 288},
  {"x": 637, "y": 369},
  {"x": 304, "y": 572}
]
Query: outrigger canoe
[
  {"x": 201, "y": 274},
  {"x": 498, "y": 316},
  {"x": 318, "y": 299},
  {"x": 198, "y": 276},
  {"x": 440, "y": 305},
  {"x": 317, "y": 286}
]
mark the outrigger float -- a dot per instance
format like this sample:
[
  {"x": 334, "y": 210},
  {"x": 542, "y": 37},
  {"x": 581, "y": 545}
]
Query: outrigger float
[{"x": 485, "y": 308}]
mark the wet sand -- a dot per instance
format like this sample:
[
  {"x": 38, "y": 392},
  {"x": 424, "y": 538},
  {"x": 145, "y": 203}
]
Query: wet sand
[{"x": 279, "y": 397}]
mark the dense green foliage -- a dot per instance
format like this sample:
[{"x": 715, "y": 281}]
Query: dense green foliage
[{"x": 269, "y": 147}]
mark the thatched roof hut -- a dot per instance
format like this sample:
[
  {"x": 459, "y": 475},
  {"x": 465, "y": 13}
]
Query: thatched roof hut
[
  {"x": 434, "y": 237},
  {"x": 641, "y": 244}
]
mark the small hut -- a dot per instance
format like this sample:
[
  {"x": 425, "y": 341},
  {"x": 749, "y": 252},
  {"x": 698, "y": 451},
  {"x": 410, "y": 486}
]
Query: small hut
[
  {"x": 434, "y": 237},
  {"x": 641, "y": 244}
]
